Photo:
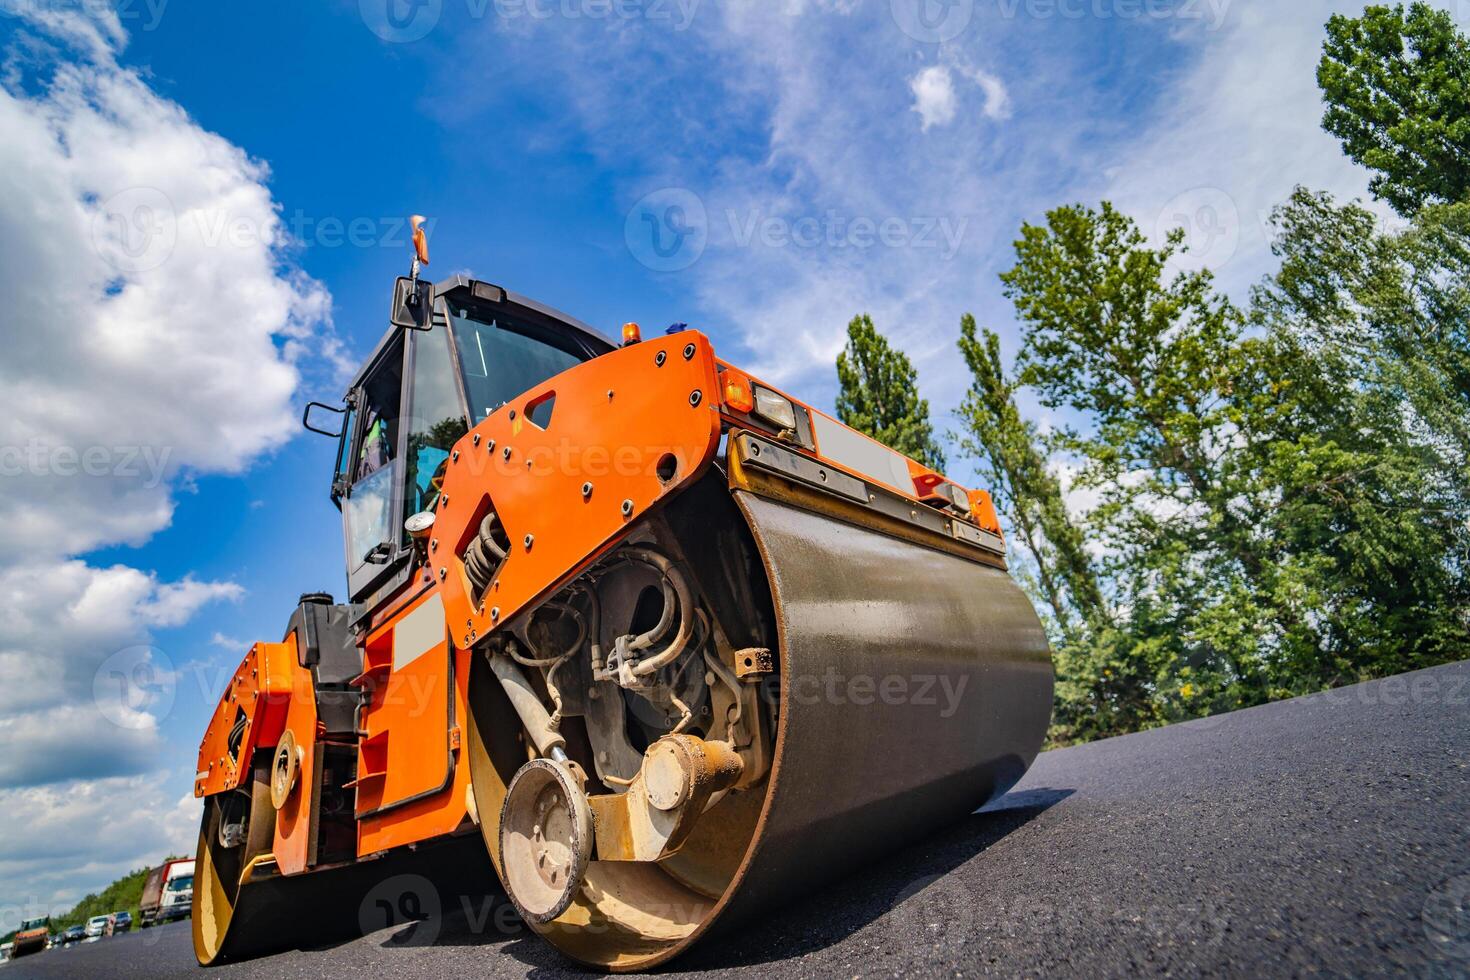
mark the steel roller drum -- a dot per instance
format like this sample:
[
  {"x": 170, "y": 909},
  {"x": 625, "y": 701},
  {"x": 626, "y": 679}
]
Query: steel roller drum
[
  {"x": 915, "y": 685},
  {"x": 852, "y": 780}
]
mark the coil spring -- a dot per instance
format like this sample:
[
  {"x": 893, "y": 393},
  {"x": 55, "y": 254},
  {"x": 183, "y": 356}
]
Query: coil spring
[{"x": 483, "y": 556}]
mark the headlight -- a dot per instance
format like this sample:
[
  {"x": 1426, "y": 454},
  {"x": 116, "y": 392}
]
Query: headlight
[
  {"x": 773, "y": 408},
  {"x": 959, "y": 498}
]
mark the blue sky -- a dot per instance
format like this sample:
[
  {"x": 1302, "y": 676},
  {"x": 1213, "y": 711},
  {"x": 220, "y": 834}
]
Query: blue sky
[{"x": 827, "y": 157}]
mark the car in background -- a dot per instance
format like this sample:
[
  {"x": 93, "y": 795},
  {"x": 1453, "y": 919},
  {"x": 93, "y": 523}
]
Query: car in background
[
  {"x": 31, "y": 936},
  {"x": 75, "y": 934},
  {"x": 122, "y": 921},
  {"x": 5, "y": 950},
  {"x": 99, "y": 926}
]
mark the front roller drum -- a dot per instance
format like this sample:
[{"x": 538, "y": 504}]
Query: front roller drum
[{"x": 912, "y": 687}]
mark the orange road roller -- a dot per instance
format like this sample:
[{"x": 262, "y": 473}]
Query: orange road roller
[{"x": 666, "y": 644}]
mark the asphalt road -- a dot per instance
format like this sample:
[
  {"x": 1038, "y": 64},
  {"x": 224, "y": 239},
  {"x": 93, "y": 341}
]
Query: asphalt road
[{"x": 1324, "y": 835}]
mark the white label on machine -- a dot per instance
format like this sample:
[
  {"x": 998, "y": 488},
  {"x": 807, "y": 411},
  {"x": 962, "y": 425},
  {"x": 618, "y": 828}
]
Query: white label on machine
[
  {"x": 857, "y": 452},
  {"x": 418, "y": 632}
]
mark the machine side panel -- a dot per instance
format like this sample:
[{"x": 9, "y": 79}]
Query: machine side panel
[
  {"x": 404, "y": 749},
  {"x": 621, "y": 432},
  {"x": 250, "y": 715}
]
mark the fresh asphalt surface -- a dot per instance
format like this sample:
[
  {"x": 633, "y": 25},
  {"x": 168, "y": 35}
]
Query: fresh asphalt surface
[{"x": 1325, "y": 835}]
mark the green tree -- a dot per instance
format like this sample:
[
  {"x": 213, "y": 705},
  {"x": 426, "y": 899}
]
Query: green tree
[
  {"x": 1365, "y": 430},
  {"x": 1146, "y": 362},
  {"x": 1282, "y": 494},
  {"x": 1098, "y": 691},
  {"x": 879, "y": 394},
  {"x": 1397, "y": 88},
  {"x": 1030, "y": 497}
]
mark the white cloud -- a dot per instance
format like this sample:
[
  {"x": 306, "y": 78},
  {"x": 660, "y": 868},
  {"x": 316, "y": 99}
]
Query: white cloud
[
  {"x": 1181, "y": 107},
  {"x": 95, "y": 28},
  {"x": 152, "y": 326},
  {"x": 142, "y": 340},
  {"x": 1239, "y": 132},
  {"x": 86, "y": 834},
  {"x": 934, "y": 98},
  {"x": 84, "y": 690},
  {"x": 175, "y": 604},
  {"x": 997, "y": 99}
]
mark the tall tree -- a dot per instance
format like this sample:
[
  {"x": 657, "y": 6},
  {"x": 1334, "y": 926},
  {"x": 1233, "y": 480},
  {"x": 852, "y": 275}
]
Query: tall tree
[
  {"x": 1015, "y": 465},
  {"x": 1099, "y": 691},
  {"x": 1366, "y": 431},
  {"x": 1144, "y": 364},
  {"x": 879, "y": 394},
  {"x": 1397, "y": 87}
]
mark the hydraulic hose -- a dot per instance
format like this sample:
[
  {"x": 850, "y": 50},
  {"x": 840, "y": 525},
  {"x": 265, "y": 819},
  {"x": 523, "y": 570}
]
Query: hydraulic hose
[{"x": 675, "y": 583}]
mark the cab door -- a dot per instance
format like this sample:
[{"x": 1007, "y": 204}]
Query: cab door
[{"x": 371, "y": 469}]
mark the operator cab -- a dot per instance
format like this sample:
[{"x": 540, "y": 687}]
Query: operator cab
[{"x": 420, "y": 392}]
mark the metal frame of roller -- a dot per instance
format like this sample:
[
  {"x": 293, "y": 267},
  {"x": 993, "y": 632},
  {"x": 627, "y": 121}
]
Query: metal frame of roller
[{"x": 655, "y": 697}]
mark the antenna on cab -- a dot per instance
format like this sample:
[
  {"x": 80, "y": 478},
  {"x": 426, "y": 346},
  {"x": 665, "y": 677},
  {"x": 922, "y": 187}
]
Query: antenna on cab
[
  {"x": 413, "y": 297},
  {"x": 420, "y": 246}
]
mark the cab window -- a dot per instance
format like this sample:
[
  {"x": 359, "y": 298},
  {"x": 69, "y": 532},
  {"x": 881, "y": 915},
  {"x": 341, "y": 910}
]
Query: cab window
[
  {"x": 503, "y": 356},
  {"x": 435, "y": 422},
  {"x": 371, "y": 467}
]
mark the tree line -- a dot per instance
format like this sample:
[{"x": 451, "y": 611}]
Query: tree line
[{"x": 1278, "y": 490}]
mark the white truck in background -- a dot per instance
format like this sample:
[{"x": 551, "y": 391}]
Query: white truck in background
[{"x": 168, "y": 894}]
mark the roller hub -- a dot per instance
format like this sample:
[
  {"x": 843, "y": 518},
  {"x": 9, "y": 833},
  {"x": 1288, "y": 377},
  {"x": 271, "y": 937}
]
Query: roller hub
[
  {"x": 545, "y": 839},
  {"x": 284, "y": 769}
]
